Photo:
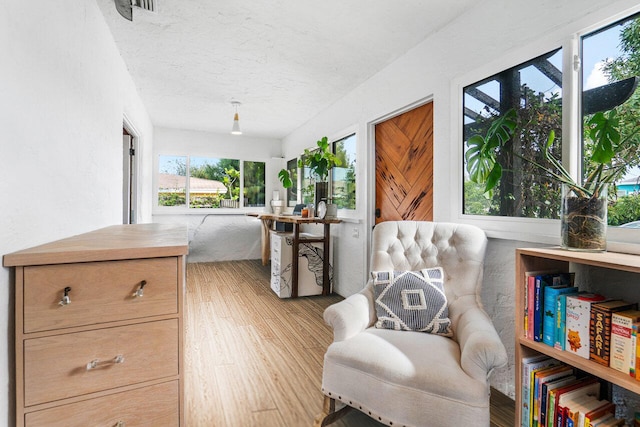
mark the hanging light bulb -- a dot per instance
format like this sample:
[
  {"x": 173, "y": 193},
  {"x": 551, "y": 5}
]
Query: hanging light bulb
[{"x": 235, "y": 130}]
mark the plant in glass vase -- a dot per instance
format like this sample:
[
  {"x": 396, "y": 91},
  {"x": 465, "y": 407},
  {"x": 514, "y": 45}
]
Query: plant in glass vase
[
  {"x": 319, "y": 161},
  {"x": 608, "y": 156}
]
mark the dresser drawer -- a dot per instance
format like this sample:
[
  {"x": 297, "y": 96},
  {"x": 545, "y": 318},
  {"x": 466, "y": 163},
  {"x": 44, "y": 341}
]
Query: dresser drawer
[
  {"x": 57, "y": 367},
  {"x": 99, "y": 292},
  {"x": 154, "y": 406}
]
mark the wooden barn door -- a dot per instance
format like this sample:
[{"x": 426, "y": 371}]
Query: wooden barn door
[{"x": 404, "y": 166}]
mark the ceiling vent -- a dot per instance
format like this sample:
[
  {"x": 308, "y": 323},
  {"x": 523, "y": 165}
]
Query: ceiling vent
[
  {"x": 125, "y": 7},
  {"x": 149, "y": 5}
]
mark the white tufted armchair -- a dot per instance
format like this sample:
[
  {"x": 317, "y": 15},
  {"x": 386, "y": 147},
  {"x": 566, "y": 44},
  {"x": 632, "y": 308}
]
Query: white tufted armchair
[{"x": 404, "y": 378}]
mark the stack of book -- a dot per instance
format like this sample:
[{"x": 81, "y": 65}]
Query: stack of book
[
  {"x": 556, "y": 395},
  {"x": 589, "y": 325}
]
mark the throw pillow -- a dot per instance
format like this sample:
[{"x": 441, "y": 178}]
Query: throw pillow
[{"x": 412, "y": 301}]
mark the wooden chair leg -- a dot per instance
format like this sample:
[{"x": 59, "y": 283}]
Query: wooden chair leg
[{"x": 329, "y": 413}]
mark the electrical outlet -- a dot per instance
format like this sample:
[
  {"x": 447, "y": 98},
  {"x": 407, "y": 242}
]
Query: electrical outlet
[{"x": 355, "y": 232}]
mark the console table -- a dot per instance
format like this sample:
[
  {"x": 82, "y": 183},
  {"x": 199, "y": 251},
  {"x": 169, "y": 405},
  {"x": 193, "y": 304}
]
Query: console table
[{"x": 267, "y": 221}]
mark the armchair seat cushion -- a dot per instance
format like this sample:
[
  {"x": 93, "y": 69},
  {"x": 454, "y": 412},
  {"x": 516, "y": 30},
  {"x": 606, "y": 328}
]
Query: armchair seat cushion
[{"x": 405, "y": 375}]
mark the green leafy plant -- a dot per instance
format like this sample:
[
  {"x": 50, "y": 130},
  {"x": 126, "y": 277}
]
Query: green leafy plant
[
  {"x": 609, "y": 159},
  {"x": 319, "y": 160}
]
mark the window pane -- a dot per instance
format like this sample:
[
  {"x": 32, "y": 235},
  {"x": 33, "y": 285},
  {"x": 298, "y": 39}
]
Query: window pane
[
  {"x": 343, "y": 178},
  {"x": 292, "y": 192},
  {"x": 254, "y": 184},
  {"x": 534, "y": 90},
  {"x": 172, "y": 179},
  {"x": 214, "y": 183},
  {"x": 611, "y": 60},
  {"x": 308, "y": 185}
]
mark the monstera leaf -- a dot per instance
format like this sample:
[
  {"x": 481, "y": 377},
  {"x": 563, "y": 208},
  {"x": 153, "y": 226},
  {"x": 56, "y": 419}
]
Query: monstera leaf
[
  {"x": 603, "y": 131},
  {"x": 481, "y": 154}
]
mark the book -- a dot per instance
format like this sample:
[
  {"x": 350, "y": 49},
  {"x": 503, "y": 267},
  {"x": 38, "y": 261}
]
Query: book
[
  {"x": 598, "y": 421},
  {"x": 551, "y": 294},
  {"x": 600, "y": 328},
  {"x": 600, "y": 412},
  {"x": 622, "y": 350},
  {"x": 529, "y": 365},
  {"x": 542, "y": 377},
  {"x": 634, "y": 350},
  {"x": 578, "y": 318},
  {"x": 534, "y": 382},
  {"x": 612, "y": 422},
  {"x": 561, "y": 320},
  {"x": 546, "y": 408},
  {"x": 541, "y": 282},
  {"x": 529, "y": 298},
  {"x": 579, "y": 405},
  {"x": 586, "y": 386}
]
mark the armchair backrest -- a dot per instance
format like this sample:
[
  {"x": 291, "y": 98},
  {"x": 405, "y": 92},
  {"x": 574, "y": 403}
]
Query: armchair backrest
[{"x": 458, "y": 248}]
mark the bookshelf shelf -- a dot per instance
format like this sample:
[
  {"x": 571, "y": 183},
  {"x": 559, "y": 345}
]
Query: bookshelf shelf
[{"x": 528, "y": 259}]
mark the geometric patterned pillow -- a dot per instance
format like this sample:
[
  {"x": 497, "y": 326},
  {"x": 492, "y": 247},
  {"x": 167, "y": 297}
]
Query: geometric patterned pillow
[{"x": 412, "y": 301}]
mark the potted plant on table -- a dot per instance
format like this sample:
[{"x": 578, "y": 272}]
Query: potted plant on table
[
  {"x": 320, "y": 161},
  {"x": 584, "y": 202}
]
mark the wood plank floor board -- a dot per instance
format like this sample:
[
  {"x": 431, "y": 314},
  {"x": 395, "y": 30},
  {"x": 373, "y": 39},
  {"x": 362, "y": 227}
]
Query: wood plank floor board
[{"x": 253, "y": 359}]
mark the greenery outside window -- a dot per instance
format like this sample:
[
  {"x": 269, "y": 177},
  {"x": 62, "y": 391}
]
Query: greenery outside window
[
  {"x": 343, "y": 177},
  {"x": 609, "y": 60},
  {"x": 292, "y": 192},
  {"x": 611, "y": 64},
  {"x": 534, "y": 90},
  {"x": 209, "y": 182},
  {"x": 254, "y": 192}
]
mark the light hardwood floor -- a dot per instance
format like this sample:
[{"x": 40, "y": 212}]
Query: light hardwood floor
[{"x": 252, "y": 359}]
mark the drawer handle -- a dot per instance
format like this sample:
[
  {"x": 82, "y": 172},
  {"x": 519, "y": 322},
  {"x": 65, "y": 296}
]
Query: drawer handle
[
  {"x": 65, "y": 297},
  {"x": 97, "y": 363},
  {"x": 140, "y": 292}
]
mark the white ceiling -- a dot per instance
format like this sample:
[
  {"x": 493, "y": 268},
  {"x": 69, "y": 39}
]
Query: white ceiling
[{"x": 284, "y": 60}]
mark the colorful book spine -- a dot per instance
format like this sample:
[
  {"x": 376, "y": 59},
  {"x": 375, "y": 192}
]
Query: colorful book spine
[
  {"x": 621, "y": 340},
  {"x": 551, "y": 294},
  {"x": 634, "y": 348},
  {"x": 531, "y": 292},
  {"x": 578, "y": 317},
  {"x": 561, "y": 321},
  {"x": 542, "y": 281},
  {"x": 529, "y": 366},
  {"x": 600, "y": 328}
]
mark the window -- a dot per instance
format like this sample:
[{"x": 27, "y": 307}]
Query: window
[
  {"x": 343, "y": 177},
  {"x": 292, "y": 192},
  {"x": 172, "y": 181},
  {"x": 210, "y": 183},
  {"x": 254, "y": 191},
  {"x": 610, "y": 62},
  {"x": 534, "y": 90}
]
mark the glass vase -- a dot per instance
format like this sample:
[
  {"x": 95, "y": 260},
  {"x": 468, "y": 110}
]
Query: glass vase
[{"x": 583, "y": 221}]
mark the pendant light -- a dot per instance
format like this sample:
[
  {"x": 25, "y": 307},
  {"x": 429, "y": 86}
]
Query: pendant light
[{"x": 235, "y": 130}]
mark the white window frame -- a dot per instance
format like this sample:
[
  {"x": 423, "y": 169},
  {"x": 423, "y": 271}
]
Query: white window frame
[
  {"x": 185, "y": 210},
  {"x": 348, "y": 215},
  {"x": 535, "y": 230}
]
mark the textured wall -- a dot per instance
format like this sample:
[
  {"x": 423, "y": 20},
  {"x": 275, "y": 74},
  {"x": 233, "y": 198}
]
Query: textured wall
[{"x": 64, "y": 91}]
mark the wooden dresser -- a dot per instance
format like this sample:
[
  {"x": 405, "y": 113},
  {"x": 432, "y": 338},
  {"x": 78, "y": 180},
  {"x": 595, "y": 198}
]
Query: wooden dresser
[{"x": 99, "y": 328}]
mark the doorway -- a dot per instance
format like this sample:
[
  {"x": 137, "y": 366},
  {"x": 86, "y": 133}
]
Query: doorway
[
  {"x": 129, "y": 177},
  {"x": 404, "y": 166}
]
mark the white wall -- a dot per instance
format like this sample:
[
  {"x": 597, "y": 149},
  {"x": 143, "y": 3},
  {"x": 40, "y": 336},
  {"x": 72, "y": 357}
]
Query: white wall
[
  {"x": 493, "y": 32},
  {"x": 219, "y": 235},
  {"x": 63, "y": 93}
]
